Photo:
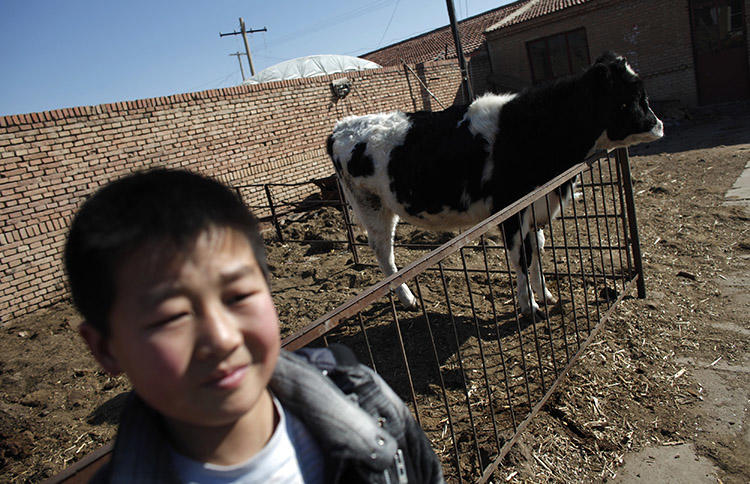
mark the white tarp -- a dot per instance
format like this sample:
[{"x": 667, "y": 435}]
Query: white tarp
[{"x": 311, "y": 66}]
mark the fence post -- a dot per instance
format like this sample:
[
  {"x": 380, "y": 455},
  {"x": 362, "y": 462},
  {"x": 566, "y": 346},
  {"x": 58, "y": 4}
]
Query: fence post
[
  {"x": 621, "y": 155},
  {"x": 273, "y": 213},
  {"x": 348, "y": 223}
]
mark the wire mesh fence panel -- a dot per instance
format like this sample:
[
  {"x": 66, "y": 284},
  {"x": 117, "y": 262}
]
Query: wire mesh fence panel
[
  {"x": 473, "y": 368},
  {"x": 289, "y": 207}
]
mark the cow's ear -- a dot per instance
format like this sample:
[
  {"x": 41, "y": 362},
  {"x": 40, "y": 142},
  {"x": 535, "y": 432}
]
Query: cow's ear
[
  {"x": 600, "y": 77},
  {"x": 606, "y": 57}
]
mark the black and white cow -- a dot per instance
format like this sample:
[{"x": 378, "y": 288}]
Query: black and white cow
[{"x": 451, "y": 169}]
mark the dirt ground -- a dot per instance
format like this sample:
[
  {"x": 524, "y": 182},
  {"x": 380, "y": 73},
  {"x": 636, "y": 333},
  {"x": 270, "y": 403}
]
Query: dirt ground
[
  {"x": 645, "y": 382},
  {"x": 665, "y": 387}
]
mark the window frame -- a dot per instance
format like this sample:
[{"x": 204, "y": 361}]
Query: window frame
[{"x": 548, "y": 58}]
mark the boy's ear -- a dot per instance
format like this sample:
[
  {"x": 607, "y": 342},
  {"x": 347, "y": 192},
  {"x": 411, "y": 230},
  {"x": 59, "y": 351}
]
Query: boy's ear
[{"x": 99, "y": 346}]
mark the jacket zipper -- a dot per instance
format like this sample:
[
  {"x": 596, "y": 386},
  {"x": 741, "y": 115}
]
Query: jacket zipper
[{"x": 401, "y": 467}]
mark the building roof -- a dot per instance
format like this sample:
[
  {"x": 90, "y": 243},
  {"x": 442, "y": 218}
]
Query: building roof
[
  {"x": 438, "y": 43},
  {"x": 531, "y": 9}
]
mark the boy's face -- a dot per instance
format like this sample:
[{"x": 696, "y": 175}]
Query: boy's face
[{"x": 196, "y": 333}]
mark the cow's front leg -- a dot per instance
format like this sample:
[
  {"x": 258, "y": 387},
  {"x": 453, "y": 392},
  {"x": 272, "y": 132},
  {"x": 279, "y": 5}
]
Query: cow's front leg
[{"x": 520, "y": 256}]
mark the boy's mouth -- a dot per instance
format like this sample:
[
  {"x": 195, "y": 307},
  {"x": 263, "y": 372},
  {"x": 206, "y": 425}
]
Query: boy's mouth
[{"x": 228, "y": 379}]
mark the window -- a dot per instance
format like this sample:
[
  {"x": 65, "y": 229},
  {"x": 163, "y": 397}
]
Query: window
[
  {"x": 718, "y": 25},
  {"x": 558, "y": 55}
]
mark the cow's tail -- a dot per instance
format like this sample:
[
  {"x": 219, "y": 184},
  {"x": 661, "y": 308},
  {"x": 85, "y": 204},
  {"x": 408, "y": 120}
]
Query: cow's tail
[
  {"x": 329, "y": 149},
  {"x": 329, "y": 145}
]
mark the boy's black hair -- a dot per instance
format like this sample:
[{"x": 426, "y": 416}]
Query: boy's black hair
[{"x": 156, "y": 206}]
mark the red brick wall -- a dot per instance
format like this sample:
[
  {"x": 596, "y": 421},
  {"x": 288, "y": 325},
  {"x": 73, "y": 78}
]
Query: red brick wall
[
  {"x": 653, "y": 34},
  {"x": 273, "y": 132}
]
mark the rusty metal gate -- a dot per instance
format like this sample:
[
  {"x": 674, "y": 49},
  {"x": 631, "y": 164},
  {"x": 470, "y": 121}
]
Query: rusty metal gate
[{"x": 475, "y": 371}]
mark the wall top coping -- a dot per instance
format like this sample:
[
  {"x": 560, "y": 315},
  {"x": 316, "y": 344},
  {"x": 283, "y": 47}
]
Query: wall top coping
[{"x": 155, "y": 102}]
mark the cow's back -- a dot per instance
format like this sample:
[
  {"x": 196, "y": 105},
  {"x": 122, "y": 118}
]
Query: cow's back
[{"x": 430, "y": 168}]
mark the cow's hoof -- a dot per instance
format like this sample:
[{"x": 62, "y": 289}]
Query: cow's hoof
[
  {"x": 552, "y": 305},
  {"x": 608, "y": 293},
  {"x": 412, "y": 305},
  {"x": 556, "y": 308},
  {"x": 535, "y": 315}
]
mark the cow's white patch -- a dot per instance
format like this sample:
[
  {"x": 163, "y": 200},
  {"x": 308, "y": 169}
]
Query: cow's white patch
[
  {"x": 605, "y": 143},
  {"x": 540, "y": 213},
  {"x": 658, "y": 130},
  {"x": 602, "y": 143},
  {"x": 628, "y": 67},
  {"x": 451, "y": 219},
  {"x": 381, "y": 131},
  {"x": 483, "y": 115}
]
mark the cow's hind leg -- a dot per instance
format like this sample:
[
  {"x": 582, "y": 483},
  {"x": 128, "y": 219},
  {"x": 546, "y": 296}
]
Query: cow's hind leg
[
  {"x": 380, "y": 224},
  {"x": 547, "y": 210},
  {"x": 536, "y": 275}
]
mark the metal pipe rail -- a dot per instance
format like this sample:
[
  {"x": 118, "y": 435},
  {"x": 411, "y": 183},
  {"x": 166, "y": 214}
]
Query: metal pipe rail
[{"x": 474, "y": 370}]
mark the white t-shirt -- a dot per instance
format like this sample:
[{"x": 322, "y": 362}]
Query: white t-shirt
[{"x": 291, "y": 456}]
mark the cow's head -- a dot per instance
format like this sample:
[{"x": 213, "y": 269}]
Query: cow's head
[{"x": 623, "y": 104}]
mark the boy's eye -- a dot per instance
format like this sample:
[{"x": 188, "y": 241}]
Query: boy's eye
[
  {"x": 167, "y": 320},
  {"x": 238, "y": 298}
]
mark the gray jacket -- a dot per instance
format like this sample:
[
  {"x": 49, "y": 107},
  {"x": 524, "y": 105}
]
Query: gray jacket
[{"x": 365, "y": 431}]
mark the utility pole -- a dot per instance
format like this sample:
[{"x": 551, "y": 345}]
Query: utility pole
[
  {"x": 239, "y": 60},
  {"x": 244, "y": 33},
  {"x": 468, "y": 95}
]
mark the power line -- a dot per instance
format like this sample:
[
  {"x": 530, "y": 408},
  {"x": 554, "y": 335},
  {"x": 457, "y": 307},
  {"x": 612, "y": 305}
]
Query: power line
[
  {"x": 414, "y": 33},
  {"x": 213, "y": 83},
  {"x": 272, "y": 57},
  {"x": 333, "y": 20},
  {"x": 389, "y": 23}
]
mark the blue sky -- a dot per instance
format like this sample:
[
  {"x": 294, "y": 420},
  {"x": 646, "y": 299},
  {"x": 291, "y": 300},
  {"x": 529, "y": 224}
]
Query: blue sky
[{"x": 68, "y": 53}]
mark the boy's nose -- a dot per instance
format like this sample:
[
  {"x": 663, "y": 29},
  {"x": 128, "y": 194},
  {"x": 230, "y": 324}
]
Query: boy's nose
[{"x": 219, "y": 335}]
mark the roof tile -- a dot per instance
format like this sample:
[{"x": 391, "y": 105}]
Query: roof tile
[{"x": 438, "y": 43}]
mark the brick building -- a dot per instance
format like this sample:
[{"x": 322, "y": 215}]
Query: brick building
[{"x": 688, "y": 51}]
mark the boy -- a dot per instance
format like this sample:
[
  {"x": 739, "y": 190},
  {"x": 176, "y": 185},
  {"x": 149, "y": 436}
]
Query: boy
[{"x": 169, "y": 272}]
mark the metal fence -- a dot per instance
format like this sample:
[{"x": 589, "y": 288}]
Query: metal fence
[
  {"x": 474, "y": 370},
  {"x": 281, "y": 205}
]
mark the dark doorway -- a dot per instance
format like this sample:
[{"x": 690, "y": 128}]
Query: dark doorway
[{"x": 720, "y": 50}]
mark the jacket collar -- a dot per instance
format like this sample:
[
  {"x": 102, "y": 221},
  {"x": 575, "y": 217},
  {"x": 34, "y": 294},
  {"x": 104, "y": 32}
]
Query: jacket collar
[
  {"x": 342, "y": 428},
  {"x": 141, "y": 453}
]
